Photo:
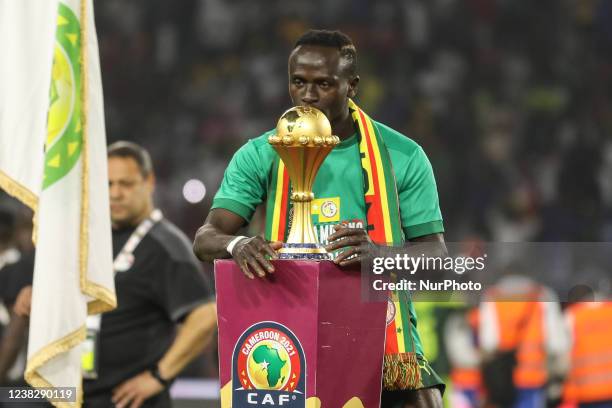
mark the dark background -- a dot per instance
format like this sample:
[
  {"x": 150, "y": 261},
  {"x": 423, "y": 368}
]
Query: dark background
[{"x": 510, "y": 99}]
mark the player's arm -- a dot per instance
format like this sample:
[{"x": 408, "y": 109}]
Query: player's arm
[
  {"x": 219, "y": 229},
  {"x": 194, "y": 335},
  {"x": 430, "y": 246},
  {"x": 433, "y": 245}
]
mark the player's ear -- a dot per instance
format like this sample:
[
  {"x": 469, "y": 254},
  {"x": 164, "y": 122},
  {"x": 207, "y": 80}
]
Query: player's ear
[{"x": 353, "y": 85}]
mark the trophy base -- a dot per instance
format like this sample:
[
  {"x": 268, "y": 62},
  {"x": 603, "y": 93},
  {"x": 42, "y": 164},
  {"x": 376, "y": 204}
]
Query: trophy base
[{"x": 314, "y": 252}]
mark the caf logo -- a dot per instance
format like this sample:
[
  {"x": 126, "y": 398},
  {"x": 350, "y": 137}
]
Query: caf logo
[{"x": 268, "y": 368}]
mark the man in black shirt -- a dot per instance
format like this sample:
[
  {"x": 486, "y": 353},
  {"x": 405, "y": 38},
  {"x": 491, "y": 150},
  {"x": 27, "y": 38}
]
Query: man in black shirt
[
  {"x": 158, "y": 285},
  {"x": 137, "y": 349}
]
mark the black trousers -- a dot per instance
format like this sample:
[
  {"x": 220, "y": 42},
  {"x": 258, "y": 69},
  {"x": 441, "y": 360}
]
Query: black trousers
[{"x": 424, "y": 398}]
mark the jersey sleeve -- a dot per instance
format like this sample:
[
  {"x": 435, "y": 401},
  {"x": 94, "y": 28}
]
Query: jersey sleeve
[
  {"x": 182, "y": 288},
  {"x": 418, "y": 197},
  {"x": 244, "y": 183}
]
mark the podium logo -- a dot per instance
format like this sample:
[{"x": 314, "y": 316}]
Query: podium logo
[{"x": 268, "y": 368}]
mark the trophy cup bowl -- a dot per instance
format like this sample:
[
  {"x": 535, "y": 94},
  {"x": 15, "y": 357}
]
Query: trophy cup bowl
[{"x": 303, "y": 139}]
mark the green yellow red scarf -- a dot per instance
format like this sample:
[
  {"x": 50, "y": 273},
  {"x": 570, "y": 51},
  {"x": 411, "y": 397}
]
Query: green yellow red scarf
[{"x": 401, "y": 370}]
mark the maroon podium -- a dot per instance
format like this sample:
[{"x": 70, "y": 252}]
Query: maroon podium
[{"x": 301, "y": 337}]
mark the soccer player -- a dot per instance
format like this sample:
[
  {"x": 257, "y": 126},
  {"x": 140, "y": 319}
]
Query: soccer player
[{"x": 376, "y": 186}]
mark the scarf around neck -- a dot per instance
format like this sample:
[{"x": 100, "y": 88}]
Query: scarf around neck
[{"x": 401, "y": 370}]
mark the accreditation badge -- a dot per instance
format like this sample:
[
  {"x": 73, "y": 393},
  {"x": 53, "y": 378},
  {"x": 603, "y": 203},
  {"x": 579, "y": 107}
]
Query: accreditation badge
[
  {"x": 90, "y": 347},
  {"x": 89, "y": 357}
]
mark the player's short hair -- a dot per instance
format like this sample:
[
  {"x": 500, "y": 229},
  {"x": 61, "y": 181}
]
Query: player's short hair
[
  {"x": 131, "y": 150},
  {"x": 7, "y": 225},
  {"x": 335, "y": 39}
]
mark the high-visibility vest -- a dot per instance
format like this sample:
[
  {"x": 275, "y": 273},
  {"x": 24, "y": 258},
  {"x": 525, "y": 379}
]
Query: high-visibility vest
[
  {"x": 530, "y": 370},
  {"x": 590, "y": 375},
  {"x": 466, "y": 378}
]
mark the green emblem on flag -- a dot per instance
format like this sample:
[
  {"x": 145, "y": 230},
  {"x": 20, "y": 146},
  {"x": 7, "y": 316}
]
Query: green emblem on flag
[{"x": 64, "y": 127}]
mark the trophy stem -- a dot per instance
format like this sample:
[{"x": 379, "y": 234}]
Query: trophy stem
[
  {"x": 302, "y": 242},
  {"x": 302, "y": 230}
]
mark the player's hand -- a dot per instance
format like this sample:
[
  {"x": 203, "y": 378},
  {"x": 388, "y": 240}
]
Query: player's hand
[
  {"x": 23, "y": 303},
  {"x": 133, "y": 392},
  {"x": 250, "y": 255},
  {"x": 351, "y": 240}
]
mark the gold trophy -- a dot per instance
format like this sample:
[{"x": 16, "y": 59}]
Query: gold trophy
[{"x": 303, "y": 139}]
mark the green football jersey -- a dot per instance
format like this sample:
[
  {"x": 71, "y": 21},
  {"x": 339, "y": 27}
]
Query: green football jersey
[{"x": 338, "y": 188}]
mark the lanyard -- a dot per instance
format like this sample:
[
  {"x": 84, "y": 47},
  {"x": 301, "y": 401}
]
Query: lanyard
[{"x": 125, "y": 258}]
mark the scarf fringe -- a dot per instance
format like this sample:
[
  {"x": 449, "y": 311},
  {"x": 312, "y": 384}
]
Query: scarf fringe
[{"x": 401, "y": 372}]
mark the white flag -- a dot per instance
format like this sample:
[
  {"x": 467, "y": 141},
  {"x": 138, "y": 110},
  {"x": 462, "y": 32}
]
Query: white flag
[
  {"x": 53, "y": 157},
  {"x": 27, "y": 37}
]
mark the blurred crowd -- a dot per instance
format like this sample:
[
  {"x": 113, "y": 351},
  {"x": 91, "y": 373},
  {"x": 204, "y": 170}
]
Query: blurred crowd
[{"x": 510, "y": 99}]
